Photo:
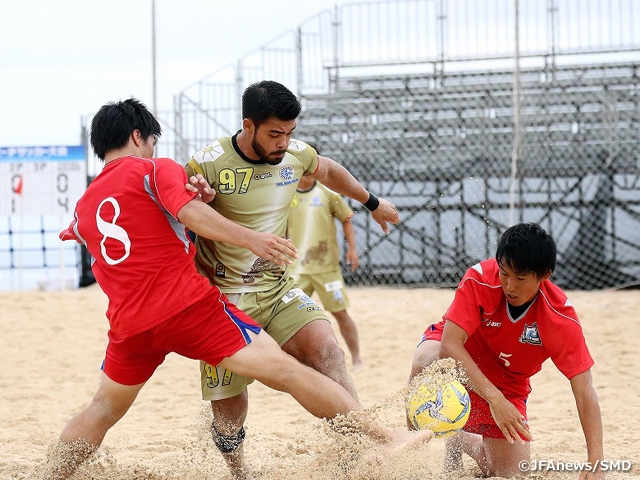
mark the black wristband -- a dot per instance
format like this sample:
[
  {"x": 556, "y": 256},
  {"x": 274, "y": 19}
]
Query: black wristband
[{"x": 372, "y": 203}]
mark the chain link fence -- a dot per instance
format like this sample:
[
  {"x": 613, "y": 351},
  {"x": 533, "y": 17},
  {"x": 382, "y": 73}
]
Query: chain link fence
[
  {"x": 416, "y": 98},
  {"x": 441, "y": 149}
]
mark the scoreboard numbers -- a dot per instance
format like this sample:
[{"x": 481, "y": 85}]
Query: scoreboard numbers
[{"x": 41, "y": 180}]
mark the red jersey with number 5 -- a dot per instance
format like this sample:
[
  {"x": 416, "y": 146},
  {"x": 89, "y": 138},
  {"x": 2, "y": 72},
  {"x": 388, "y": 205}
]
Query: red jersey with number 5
[
  {"x": 507, "y": 350},
  {"x": 142, "y": 257}
]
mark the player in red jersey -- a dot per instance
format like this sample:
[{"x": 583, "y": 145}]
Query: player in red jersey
[
  {"x": 506, "y": 319},
  {"x": 132, "y": 220}
]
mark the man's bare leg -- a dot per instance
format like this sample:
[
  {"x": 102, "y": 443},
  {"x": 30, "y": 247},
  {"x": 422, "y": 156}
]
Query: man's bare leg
[
  {"x": 315, "y": 345},
  {"x": 349, "y": 332},
  {"x": 228, "y": 433},
  {"x": 319, "y": 395},
  {"x": 503, "y": 459},
  {"x": 426, "y": 353},
  {"x": 453, "y": 454},
  {"x": 84, "y": 433}
]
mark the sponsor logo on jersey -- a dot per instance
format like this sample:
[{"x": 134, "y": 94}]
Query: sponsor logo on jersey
[
  {"x": 262, "y": 176},
  {"x": 490, "y": 323},
  {"x": 221, "y": 271},
  {"x": 531, "y": 335}
]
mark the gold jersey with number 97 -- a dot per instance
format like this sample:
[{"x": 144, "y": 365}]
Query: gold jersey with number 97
[{"x": 255, "y": 195}]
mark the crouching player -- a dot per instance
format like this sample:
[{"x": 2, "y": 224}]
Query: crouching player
[{"x": 506, "y": 319}]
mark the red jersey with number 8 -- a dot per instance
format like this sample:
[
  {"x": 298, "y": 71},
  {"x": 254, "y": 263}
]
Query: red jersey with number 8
[{"x": 126, "y": 251}]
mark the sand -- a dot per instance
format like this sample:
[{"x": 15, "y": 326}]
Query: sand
[{"x": 53, "y": 343}]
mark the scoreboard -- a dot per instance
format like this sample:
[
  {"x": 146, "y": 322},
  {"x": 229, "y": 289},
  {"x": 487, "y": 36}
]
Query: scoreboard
[{"x": 41, "y": 180}]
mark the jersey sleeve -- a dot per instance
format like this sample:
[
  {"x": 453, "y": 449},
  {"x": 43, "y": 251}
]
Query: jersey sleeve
[
  {"x": 305, "y": 154},
  {"x": 71, "y": 233},
  {"x": 563, "y": 336},
  {"x": 169, "y": 186},
  {"x": 572, "y": 356},
  {"x": 193, "y": 167},
  {"x": 465, "y": 309},
  {"x": 206, "y": 160}
]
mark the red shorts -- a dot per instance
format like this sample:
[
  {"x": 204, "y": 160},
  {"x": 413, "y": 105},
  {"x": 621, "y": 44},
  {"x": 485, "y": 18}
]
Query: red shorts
[
  {"x": 210, "y": 330},
  {"x": 434, "y": 332},
  {"x": 480, "y": 419}
]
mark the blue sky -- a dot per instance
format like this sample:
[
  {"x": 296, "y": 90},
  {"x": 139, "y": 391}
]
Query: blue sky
[{"x": 61, "y": 60}]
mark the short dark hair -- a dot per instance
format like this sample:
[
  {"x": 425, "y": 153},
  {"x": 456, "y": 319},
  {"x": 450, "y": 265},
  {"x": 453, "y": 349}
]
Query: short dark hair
[
  {"x": 269, "y": 99},
  {"x": 527, "y": 248},
  {"x": 115, "y": 121}
]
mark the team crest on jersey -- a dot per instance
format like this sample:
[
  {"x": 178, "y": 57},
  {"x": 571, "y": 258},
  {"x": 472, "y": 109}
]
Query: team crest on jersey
[
  {"x": 531, "y": 335},
  {"x": 287, "y": 174}
]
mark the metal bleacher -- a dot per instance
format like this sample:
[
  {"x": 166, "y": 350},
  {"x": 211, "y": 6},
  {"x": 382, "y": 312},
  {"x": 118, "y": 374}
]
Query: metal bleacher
[
  {"x": 425, "y": 125},
  {"x": 416, "y": 99},
  {"x": 440, "y": 147}
]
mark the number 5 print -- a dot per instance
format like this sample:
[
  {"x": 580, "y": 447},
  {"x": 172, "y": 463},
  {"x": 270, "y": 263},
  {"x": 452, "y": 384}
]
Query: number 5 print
[{"x": 504, "y": 357}]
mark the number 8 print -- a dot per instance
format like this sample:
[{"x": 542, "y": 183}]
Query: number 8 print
[{"x": 111, "y": 230}]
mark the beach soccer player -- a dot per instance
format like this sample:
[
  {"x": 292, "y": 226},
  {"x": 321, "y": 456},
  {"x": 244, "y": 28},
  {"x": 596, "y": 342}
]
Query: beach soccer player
[
  {"x": 506, "y": 319},
  {"x": 132, "y": 220}
]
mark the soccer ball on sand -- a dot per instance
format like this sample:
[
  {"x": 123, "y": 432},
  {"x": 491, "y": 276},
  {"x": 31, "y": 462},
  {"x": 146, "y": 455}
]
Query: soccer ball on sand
[{"x": 444, "y": 408}]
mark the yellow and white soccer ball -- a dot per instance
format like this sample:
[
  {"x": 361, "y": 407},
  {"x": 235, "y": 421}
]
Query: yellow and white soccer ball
[{"x": 444, "y": 409}]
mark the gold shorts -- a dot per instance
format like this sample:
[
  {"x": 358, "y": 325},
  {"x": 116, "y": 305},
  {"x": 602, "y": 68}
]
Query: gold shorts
[
  {"x": 281, "y": 311},
  {"x": 329, "y": 286}
]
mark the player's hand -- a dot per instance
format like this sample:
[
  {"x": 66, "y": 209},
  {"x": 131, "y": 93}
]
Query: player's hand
[
  {"x": 352, "y": 259},
  {"x": 510, "y": 421},
  {"x": 274, "y": 248},
  {"x": 385, "y": 213},
  {"x": 198, "y": 184}
]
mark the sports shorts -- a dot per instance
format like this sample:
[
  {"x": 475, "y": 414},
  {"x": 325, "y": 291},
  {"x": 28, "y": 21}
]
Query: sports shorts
[
  {"x": 211, "y": 328},
  {"x": 480, "y": 419},
  {"x": 281, "y": 311},
  {"x": 329, "y": 286}
]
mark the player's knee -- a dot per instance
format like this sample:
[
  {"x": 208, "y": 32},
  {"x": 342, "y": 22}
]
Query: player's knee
[
  {"x": 426, "y": 353},
  {"x": 327, "y": 356}
]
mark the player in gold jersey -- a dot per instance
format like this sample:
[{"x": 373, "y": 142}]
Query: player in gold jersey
[
  {"x": 312, "y": 230},
  {"x": 254, "y": 175}
]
